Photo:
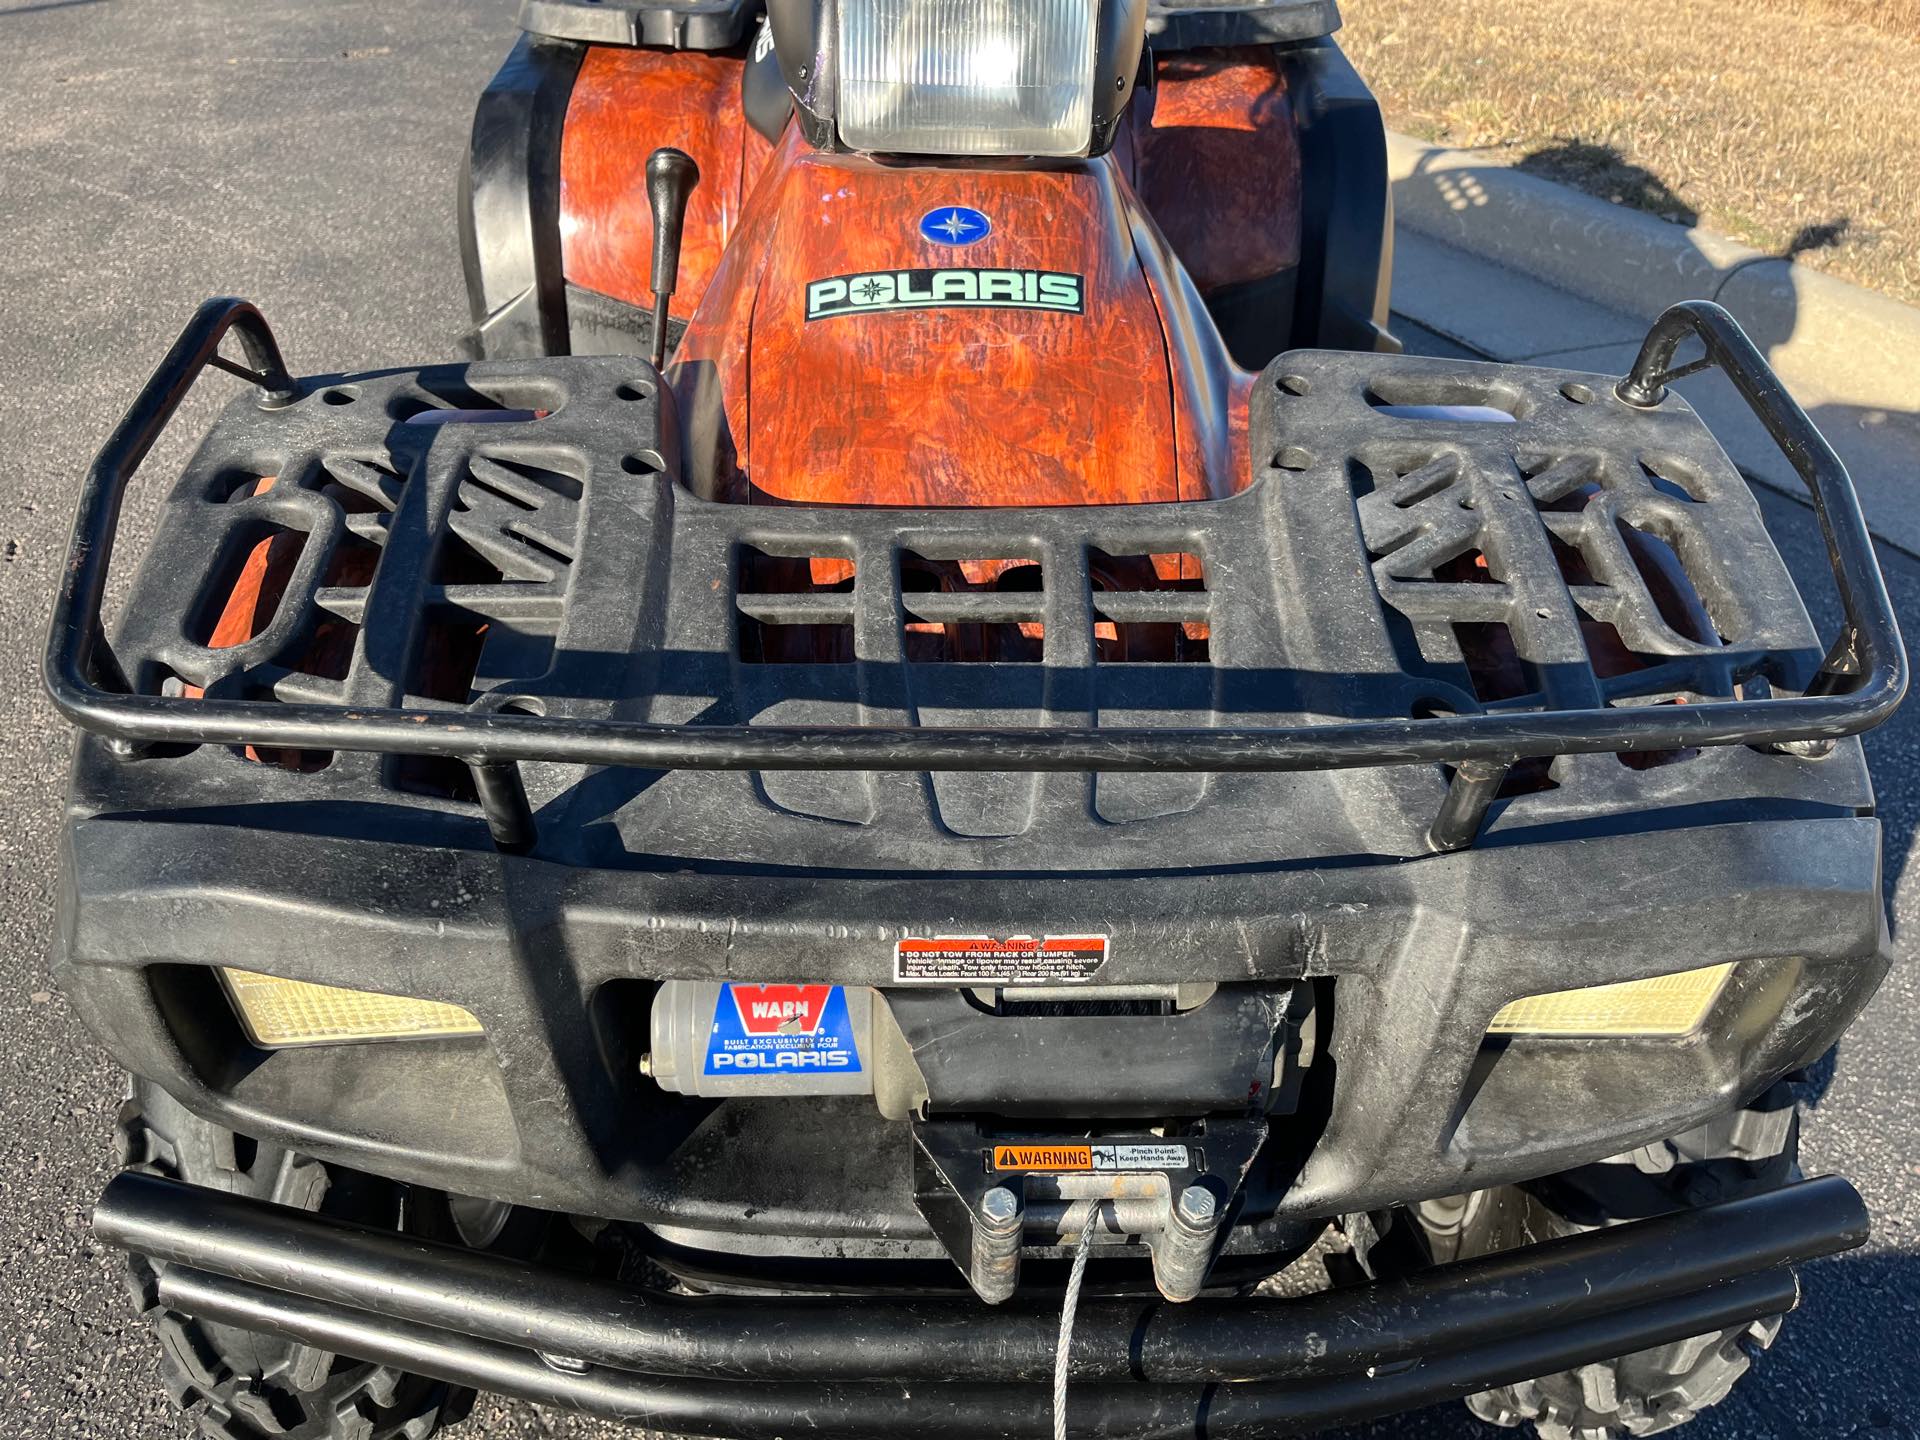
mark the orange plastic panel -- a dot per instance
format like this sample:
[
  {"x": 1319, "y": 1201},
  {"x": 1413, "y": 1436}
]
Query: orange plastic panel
[
  {"x": 1218, "y": 164},
  {"x": 627, "y": 103},
  {"x": 952, "y": 407}
]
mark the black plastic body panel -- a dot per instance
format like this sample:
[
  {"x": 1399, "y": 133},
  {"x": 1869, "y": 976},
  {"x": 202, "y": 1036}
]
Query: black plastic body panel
[
  {"x": 601, "y": 325},
  {"x": 1340, "y": 295},
  {"x": 1209, "y": 24},
  {"x": 551, "y": 1111},
  {"x": 509, "y": 203},
  {"x": 1086, "y": 1061},
  {"x": 671, "y": 24}
]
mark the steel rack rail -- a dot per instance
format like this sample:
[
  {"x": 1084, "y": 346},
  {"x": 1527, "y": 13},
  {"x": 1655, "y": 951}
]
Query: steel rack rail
[{"x": 1861, "y": 681}]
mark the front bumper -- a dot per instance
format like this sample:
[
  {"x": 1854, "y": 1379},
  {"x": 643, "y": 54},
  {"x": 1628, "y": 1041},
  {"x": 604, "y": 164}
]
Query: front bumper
[
  {"x": 550, "y": 1110},
  {"x": 858, "y": 1367}
]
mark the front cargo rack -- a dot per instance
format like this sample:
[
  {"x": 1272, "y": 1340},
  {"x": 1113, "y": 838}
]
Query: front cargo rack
[{"x": 1399, "y": 532}]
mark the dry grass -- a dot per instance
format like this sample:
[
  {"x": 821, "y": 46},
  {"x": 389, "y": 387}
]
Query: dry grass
[
  {"x": 1899, "y": 18},
  {"x": 1789, "y": 124}
]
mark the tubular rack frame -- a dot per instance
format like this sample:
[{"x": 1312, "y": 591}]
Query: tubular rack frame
[{"x": 1862, "y": 680}]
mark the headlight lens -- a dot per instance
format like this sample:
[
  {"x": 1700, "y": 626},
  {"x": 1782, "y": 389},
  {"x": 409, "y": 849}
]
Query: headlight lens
[
  {"x": 1663, "y": 1005},
  {"x": 967, "y": 77},
  {"x": 278, "y": 1013}
]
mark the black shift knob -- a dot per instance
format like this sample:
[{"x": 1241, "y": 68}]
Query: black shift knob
[{"x": 671, "y": 178}]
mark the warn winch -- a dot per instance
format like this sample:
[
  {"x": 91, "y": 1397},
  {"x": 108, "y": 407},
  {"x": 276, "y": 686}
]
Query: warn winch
[{"x": 1138, "y": 1050}]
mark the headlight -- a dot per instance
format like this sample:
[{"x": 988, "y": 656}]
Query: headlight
[
  {"x": 967, "y": 77},
  {"x": 278, "y": 1013},
  {"x": 1661, "y": 1005}
]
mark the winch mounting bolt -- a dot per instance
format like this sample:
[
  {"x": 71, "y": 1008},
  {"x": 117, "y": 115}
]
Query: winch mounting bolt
[
  {"x": 997, "y": 1226},
  {"x": 1197, "y": 1205},
  {"x": 1000, "y": 1207},
  {"x": 1183, "y": 1253}
]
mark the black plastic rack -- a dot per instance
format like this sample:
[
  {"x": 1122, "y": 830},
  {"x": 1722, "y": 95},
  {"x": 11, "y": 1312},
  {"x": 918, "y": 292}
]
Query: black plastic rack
[{"x": 1341, "y": 482}]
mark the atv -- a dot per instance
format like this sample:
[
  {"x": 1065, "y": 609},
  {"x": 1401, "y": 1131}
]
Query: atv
[{"x": 937, "y": 794}]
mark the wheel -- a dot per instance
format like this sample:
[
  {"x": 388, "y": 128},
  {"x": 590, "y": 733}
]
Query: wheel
[
  {"x": 240, "y": 1385},
  {"x": 1640, "y": 1394},
  {"x": 1651, "y": 1391}
]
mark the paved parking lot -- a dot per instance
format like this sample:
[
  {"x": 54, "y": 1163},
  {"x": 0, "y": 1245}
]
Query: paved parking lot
[{"x": 155, "y": 152}]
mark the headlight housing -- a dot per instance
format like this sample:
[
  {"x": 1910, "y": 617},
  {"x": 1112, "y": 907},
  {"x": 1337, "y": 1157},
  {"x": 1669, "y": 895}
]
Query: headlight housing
[
  {"x": 962, "y": 78},
  {"x": 966, "y": 77}
]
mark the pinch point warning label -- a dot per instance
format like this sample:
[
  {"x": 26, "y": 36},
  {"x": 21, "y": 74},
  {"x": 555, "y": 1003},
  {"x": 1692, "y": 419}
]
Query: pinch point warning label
[
  {"x": 993, "y": 960},
  {"x": 1067, "y": 1158}
]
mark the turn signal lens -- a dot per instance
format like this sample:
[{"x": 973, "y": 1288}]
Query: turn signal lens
[
  {"x": 280, "y": 1013},
  {"x": 1663, "y": 1005}
]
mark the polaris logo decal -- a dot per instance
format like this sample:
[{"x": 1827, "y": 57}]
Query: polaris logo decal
[
  {"x": 955, "y": 225},
  {"x": 956, "y": 289},
  {"x": 781, "y": 1029}
]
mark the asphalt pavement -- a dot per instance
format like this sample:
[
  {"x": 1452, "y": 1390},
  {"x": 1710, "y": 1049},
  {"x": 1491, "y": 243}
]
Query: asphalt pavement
[{"x": 155, "y": 152}]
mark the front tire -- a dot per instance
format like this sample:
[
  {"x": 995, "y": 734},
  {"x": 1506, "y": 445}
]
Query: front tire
[
  {"x": 1743, "y": 1153},
  {"x": 241, "y": 1385}
]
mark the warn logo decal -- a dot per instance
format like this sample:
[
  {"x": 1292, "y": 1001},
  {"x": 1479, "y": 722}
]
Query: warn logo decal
[
  {"x": 762, "y": 1030},
  {"x": 957, "y": 289},
  {"x": 781, "y": 1009}
]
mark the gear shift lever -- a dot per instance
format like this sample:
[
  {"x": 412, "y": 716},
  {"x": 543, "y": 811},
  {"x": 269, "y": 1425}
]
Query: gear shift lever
[{"x": 671, "y": 178}]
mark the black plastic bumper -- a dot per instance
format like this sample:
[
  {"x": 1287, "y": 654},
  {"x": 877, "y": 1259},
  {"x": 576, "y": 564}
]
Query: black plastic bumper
[{"x": 748, "y": 1367}]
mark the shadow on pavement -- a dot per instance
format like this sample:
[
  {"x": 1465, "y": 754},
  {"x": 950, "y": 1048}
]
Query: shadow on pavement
[{"x": 1602, "y": 170}]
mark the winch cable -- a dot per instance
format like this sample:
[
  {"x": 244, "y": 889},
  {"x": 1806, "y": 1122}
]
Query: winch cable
[{"x": 1072, "y": 1303}]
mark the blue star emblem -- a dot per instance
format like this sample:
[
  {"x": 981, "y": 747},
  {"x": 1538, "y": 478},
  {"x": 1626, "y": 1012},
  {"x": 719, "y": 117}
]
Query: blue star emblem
[{"x": 955, "y": 225}]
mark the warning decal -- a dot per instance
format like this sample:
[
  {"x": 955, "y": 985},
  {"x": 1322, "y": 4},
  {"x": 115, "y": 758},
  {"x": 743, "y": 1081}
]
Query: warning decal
[
  {"x": 1043, "y": 1157},
  {"x": 986, "y": 960},
  {"x": 781, "y": 1030},
  {"x": 1062, "y": 1158}
]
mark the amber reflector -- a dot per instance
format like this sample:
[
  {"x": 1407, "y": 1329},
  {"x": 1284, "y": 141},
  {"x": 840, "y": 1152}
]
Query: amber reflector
[
  {"x": 278, "y": 1013},
  {"x": 1663, "y": 1005}
]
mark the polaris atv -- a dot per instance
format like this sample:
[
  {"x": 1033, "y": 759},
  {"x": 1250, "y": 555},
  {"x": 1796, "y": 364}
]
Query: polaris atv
[{"x": 939, "y": 763}]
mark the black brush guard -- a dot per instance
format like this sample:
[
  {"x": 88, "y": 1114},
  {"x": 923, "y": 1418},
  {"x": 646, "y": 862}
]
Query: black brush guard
[
  {"x": 869, "y": 1367},
  {"x": 1861, "y": 681}
]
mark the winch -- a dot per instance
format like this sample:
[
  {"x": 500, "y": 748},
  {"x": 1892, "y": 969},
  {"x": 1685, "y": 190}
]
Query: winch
[{"x": 1131, "y": 1051}]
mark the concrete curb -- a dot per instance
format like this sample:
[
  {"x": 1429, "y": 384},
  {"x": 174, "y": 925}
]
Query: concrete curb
[
  {"x": 1518, "y": 269},
  {"x": 1834, "y": 343}
]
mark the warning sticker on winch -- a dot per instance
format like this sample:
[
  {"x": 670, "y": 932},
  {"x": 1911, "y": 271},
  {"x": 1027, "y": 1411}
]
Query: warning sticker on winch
[
  {"x": 782, "y": 1030},
  {"x": 1043, "y": 1157},
  {"x": 1060, "y": 1159},
  {"x": 989, "y": 960}
]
